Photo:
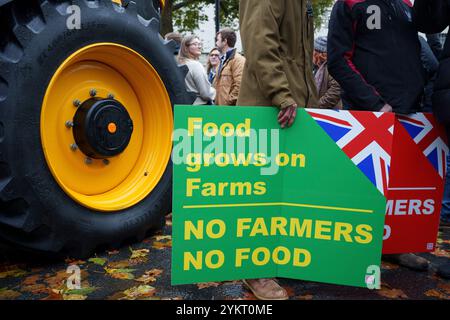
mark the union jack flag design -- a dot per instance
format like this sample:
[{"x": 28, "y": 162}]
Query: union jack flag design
[
  {"x": 429, "y": 137},
  {"x": 365, "y": 137}
]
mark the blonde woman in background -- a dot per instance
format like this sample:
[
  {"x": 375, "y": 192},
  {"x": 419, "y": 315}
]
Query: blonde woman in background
[{"x": 196, "y": 79}]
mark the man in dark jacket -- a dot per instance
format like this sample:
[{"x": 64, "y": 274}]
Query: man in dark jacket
[
  {"x": 374, "y": 55},
  {"x": 431, "y": 65},
  {"x": 367, "y": 42},
  {"x": 434, "y": 16},
  {"x": 434, "y": 41}
]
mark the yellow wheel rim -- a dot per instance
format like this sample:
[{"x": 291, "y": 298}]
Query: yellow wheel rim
[{"x": 123, "y": 180}]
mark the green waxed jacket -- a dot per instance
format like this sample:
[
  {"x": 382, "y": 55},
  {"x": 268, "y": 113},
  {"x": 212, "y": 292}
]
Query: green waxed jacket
[{"x": 277, "y": 38}]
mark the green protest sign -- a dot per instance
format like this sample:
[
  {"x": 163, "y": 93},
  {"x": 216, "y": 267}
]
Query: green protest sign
[{"x": 253, "y": 201}]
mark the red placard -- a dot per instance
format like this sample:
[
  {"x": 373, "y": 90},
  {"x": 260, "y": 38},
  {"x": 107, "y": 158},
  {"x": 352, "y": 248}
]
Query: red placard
[
  {"x": 414, "y": 198},
  {"x": 405, "y": 158}
]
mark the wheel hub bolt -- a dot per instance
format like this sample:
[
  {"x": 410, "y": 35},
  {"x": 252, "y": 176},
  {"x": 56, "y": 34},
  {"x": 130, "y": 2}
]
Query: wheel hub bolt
[
  {"x": 69, "y": 124},
  {"x": 110, "y": 96},
  {"x": 93, "y": 92},
  {"x": 77, "y": 103},
  {"x": 74, "y": 147},
  {"x": 106, "y": 162},
  {"x": 88, "y": 160}
]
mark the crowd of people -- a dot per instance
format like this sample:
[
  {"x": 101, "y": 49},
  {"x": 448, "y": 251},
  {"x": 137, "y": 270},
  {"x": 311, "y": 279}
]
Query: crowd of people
[
  {"x": 372, "y": 59},
  {"x": 217, "y": 83}
]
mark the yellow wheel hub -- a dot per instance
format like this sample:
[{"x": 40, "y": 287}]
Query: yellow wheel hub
[{"x": 119, "y": 182}]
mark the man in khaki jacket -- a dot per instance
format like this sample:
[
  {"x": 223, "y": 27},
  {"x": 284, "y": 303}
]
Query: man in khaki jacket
[
  {"x": 229, "y": 75},
  {"x": 277, "y": 37}
]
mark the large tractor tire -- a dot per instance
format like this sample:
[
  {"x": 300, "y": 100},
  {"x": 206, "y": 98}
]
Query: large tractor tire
[{"x": 85, "y": 124}]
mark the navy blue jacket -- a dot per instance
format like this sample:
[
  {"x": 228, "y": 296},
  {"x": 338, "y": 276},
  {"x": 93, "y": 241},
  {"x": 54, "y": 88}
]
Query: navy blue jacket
[
  {"x": 375, "y": 66},
  {"x": 434, "y": 16}
]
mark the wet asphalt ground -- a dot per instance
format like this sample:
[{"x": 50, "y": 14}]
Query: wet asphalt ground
[{"x": 141, "y": 271}]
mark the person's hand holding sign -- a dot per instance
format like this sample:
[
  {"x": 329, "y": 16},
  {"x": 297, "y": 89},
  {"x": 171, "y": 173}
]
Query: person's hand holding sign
[
  {"x": 287, "y": 116},
  {"x": 386, "y": 108}
]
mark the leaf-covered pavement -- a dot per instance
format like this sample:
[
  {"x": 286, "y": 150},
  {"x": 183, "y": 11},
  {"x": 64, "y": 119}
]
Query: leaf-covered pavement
[{"x": 142, "y": 272}]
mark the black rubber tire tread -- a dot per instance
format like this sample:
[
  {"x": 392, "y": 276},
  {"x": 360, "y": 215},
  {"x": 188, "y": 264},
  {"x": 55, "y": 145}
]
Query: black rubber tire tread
[{"x": 35, "y": 213}]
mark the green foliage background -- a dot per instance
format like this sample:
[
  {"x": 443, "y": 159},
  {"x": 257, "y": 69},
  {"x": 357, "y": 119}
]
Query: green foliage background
[{"x": 186, "y": 15}]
